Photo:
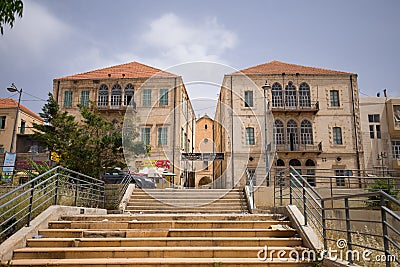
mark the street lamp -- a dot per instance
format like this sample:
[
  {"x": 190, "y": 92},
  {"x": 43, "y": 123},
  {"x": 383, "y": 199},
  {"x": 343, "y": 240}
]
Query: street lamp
[
  {"x": 266, "y": 87},
  {"x": 14, "y": 89}
]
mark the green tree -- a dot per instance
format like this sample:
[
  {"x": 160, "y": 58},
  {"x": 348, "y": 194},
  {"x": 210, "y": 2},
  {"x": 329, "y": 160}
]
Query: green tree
[
  {"x": 9, "y": 9},
  {"x": 90, "y": 146}
]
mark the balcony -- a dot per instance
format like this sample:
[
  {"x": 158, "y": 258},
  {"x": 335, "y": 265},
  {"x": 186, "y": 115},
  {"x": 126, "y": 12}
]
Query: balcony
[
  {"x": 295, "y": 107},
  {"x": 116, "y": 107},
  {"x": 300, "y": 148}
]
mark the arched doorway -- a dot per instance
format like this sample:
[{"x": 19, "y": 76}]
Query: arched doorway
[
  {"x": 295, "y": 163},
  {"x": 310, "y": 172},
  {"x": 204, "y": 181}
]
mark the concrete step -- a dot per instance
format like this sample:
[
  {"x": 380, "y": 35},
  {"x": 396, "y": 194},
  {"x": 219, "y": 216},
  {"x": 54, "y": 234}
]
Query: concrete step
[
  {"x": 102, "y": 233},
  {"x": 145, "y": 252},
  {"x": 153, "y": 262},
  {"x": 185, "y": 211},
  {"x": 172, "y": 217},
  {"x": 163, "y": 224},
  {"x": 277, "y": 240},
  {"x": 162, "y": 206}
]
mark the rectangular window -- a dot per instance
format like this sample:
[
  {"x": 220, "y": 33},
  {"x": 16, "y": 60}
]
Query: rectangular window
[
  {"x": 378, "y": 131},
  {"x": 248, "y": 98},
  {"x": 146, "y": 135},
  {"x": 335, "y": 98},
  {"x": 2, "y": 122},
  {"x": 396, "y": 149},
  {"x": 23, "y": 127},
  {"x": 85, "y": 98},
  {"x": 67, "y": 99},
  {"x": 371, "y": 132},
  {"x": 337, "y": 136},
  {"x": 1, "y": 149},
  {"x": 146, "y": 101},
  {"x": 340, "y": 180},
  {"x": 373, "y": 118},
  {"x": 163, "y": 97},
  {"x": 250, "y": 136},
  {"x": 162, "y": 136}
]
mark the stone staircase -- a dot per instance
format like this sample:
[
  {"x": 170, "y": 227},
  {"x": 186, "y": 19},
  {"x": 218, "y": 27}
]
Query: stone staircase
[
  {"x": 157, "y": 232},
  {"x": 187, "y": 201}
]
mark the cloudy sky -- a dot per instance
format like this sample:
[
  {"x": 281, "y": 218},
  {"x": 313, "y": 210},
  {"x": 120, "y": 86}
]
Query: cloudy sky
[{"x": 59, "y": 38}]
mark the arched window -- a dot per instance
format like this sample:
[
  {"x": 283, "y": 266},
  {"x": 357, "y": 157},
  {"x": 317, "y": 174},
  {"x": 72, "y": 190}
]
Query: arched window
[
  {"x": 304, "y": 95},
  {"x": 292, "y": 135},
  {"x": 102, "y": 100},
  {"x": 116, "y": 95},
  {"x": 294, "y": 162},
  {"x": 280, "y": 163},
  {"x": 290, "y": 96},
  {"x": 277, "y": 97},
  {"x": 129, "y": 95},
  {"x": 306, "y": 132},
  {"x": 279, "y": 132}
]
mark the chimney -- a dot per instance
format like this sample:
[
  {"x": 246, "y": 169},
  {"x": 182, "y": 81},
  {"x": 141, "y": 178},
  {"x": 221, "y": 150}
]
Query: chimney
[{"x": 384, "y": 92}]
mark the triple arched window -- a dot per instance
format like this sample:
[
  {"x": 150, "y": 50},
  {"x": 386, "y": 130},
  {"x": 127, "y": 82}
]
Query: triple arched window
[
  {"x": 291, "y": 98},
  {"x": 290, "y": 134},
  {"x": 118, "y": 96}
]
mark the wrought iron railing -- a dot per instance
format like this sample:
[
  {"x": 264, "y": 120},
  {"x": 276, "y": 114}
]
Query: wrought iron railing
[
  {"x": 364, "y": 227},
  {"x": 58, "y": 186}
]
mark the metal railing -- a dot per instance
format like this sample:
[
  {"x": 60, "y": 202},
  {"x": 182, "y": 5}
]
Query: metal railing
[
  {"x": 58, "y": 186},
  {"x": 315, "y": 147},
  {"x": 369, "y": 221}
]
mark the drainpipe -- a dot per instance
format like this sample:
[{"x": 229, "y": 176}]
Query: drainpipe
[
  {"x": 232, "y": 153},
  {"x": 174, "y": 131},
  {"x": 355, "y": 125},
  {"x": 58, "y": 90}
]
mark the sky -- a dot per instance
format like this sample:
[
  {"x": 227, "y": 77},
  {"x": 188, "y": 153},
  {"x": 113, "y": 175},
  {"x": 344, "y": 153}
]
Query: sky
[{"x": 59, "y": 38}]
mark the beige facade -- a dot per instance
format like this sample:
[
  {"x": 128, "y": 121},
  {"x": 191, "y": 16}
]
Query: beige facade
[
  {"x": 380, "y": 122},
  {"x": 152, "y": 101},
  {"x": 308, "y": 118},
  {"x": 204, "y": 143},
  {"x": 26, "y": 119}
]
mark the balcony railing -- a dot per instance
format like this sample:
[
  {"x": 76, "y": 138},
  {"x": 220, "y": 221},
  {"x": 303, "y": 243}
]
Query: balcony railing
[
  {"x": 295, "y": 107},
  {"x": 299, "y": 147}
]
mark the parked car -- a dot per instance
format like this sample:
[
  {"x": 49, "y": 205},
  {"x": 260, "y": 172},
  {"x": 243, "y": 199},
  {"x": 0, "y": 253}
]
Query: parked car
[{"x": 116, "y": 176}]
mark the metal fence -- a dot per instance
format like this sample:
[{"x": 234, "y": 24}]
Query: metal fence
[
  {"x": 352, "y": 223},
  {"x": 58, "y": 186}
]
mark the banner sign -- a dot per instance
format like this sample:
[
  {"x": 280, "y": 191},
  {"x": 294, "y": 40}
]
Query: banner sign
[
  {"x": 202, "y": 156},
  {"x": 9, "y": 162}
]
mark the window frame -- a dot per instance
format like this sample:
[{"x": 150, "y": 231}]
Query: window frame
[
  {"x": 68, "y": 96},
  {"x": 334, "y": 98},
  {"x": 146, "y": 97},
  {"x": 162, "y": 136},
  {"x": 163, "y": 100},
  {"x": 249, "y": 135},
  {"x": 102, "y": 98},
  {"x": 337, "y": 135},
  {"x": 3, "y": 122},
  {"x": 145, "y": 135},
  {"x": 306, "y": 132},
  {"x": 85, "y": 97},
  {"x": 248, "y": 99}
]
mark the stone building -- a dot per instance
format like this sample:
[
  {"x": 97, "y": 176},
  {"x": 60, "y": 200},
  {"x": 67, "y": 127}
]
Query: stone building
[
  {"x": 153, "y": 101},
  {"x": 204, "y": 143},
  {"x": 307, "y": 117},
  {"x": 380, "y": 125}
]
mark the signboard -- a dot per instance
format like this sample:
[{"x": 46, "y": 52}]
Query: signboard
[
  {"x": 9, "y": 162},
  {"x": 166, "y": 164},
  {"x": 202, "y": 156}
]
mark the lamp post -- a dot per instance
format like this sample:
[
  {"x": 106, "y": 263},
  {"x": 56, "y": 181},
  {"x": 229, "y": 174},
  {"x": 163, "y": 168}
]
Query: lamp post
[
  {"x": 14, "y": 89},
  {"x": 266, "y": 87}
]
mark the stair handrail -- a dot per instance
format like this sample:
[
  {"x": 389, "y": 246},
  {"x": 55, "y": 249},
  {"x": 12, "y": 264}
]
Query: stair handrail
[
  {"x": 57, "y": 186},
  {"x": 321, "y": 213}
]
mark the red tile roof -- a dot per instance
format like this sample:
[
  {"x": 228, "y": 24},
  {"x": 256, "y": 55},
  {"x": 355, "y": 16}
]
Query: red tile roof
[
  {"x": 128, "y": 70},
  {"x": 7, "y": 103},
  {"x": 278, "y": 67}
]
